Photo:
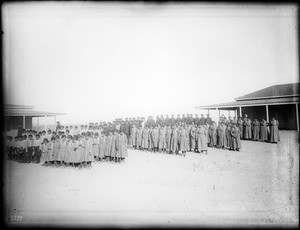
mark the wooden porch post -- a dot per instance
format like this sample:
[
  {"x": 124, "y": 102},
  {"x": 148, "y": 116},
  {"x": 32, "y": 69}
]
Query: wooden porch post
[
  {"x": 241, "y": 115},
  {"x": 297, "y": 117},
  {"x": 24, "y": 122},
  {"x": 38, "y": 123},
  {"x": 267, "y": 113},
  {"x": 45, "y": 123}
]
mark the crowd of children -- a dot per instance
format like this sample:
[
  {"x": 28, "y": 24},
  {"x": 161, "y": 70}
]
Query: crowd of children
[{"x": 60, "y": 149}]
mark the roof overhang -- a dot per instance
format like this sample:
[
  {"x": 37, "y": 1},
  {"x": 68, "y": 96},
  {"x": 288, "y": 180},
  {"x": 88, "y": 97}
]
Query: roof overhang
[{"x": 250, "y": 103}]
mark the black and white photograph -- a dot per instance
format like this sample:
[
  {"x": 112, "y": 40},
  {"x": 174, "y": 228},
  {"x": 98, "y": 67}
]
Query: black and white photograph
[{"x": 145, "y": 114}]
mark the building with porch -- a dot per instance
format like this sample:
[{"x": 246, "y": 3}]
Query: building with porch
[
  {"x": 278, "y": 101},
  {"x": 15, "y": 115}
]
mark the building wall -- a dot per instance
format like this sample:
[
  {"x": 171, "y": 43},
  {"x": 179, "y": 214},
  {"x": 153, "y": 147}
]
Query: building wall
[
  {"x": 285, "y": 114},
  {"x": 12, "y": 122},
  {"x": 258, "y": 112}
]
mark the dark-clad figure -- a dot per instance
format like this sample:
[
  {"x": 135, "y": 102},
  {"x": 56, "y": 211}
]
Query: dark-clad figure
[
  {"x": 20, "y": 131},
  {"x": 247, "y": 128},
  {"x": 236, "y": 140},
  {"x": 190, "y": 119},
  {"x": 274, "y": 131},
  {"x": 255, "y": 127},
  {"x": 263, "y": 130},
  {"x": 202, "y": 120},
  {"x": 178, "y": 119},
  {"x": 167, "y": 120},
  {"x": 197, "y": 120},
  {"x": 208, "y": 119},
  {"x": 172, "y": 120}
]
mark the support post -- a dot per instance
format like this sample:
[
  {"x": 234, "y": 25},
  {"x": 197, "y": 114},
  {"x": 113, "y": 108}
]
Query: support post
[
  {"x": 241, "y": 115},
  {"x": 45, "y": 123},
  {"x": 208, "y": 112},
  {"x": 267, "y": 113},
  {"x": 24, "y": 122},
  {"x": 38, "y": 124},
  {"x": 297, "y": 117},
  {"x": 54, "y": 119}
]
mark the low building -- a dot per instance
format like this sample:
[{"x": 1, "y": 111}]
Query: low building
[
  {"x": 15, "y": 115},
  {"x": 278, "y": 101}
]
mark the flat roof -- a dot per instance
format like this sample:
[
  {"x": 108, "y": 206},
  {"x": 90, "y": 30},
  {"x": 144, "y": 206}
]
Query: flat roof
[{"x": 25, "y": 110}]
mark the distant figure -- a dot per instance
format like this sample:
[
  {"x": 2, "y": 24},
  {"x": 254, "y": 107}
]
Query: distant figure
[
  {"x": 256, "y": 128},
  {"x": 247, "y": 128},
  {"x": 208, "y": 119},
  {"x": 274, "y": 131},
  {"x": 236, "y": 140},
  {"x": 202, "y": 140},
  {"x": 240, "y": 125},
  {"x": 263, "y": 130},
  {"x": 202, "y": 120},
  {"x": 58, "y": 126},
  {"x": 20, "y": 130}
]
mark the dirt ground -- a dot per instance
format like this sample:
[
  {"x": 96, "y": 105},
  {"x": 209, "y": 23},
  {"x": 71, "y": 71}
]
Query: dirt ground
[{"x": 255, "y": 187}]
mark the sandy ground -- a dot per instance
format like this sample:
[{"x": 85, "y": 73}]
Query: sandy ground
[{"x": 255, "y": 187}]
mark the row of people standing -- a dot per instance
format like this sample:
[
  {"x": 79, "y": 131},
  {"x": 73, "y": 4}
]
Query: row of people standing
[
  {"x": 179, "y": 139},
  {"x": 259, "y": 130}
]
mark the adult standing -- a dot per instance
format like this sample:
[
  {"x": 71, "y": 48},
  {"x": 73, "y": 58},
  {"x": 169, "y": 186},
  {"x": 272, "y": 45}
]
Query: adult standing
[
  {"x": 263, "y": 130},
  {"x": 247, "y": 128},
  {"x": 197, "y": 120},
  {"x": 20, "y": 131},
  {"x": 208, "y": 119},
  {"x": 274, "y": 131},
  {"x": 202, "y": 120},
  {"x": 256, "y": 127},
  {"x": 240, "y": 125},
  {"x": 202, "y": 140}
]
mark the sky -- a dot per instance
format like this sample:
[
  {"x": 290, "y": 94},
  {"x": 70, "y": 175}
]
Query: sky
[{"x": 101, "y": 61}]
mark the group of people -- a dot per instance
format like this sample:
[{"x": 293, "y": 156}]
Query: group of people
[
  {"x": 79, "y": 146},
  {"x": 61, "y": 149}
]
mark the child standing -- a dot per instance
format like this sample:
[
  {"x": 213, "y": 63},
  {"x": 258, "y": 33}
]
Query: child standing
[
  {"x": 122, "y": 147},
  {"x": 95, "y": 147},
  {"x": 56, "y": 152},
  {"x": 102, "y": 146},
  {"x": 108, "y": 141}
]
